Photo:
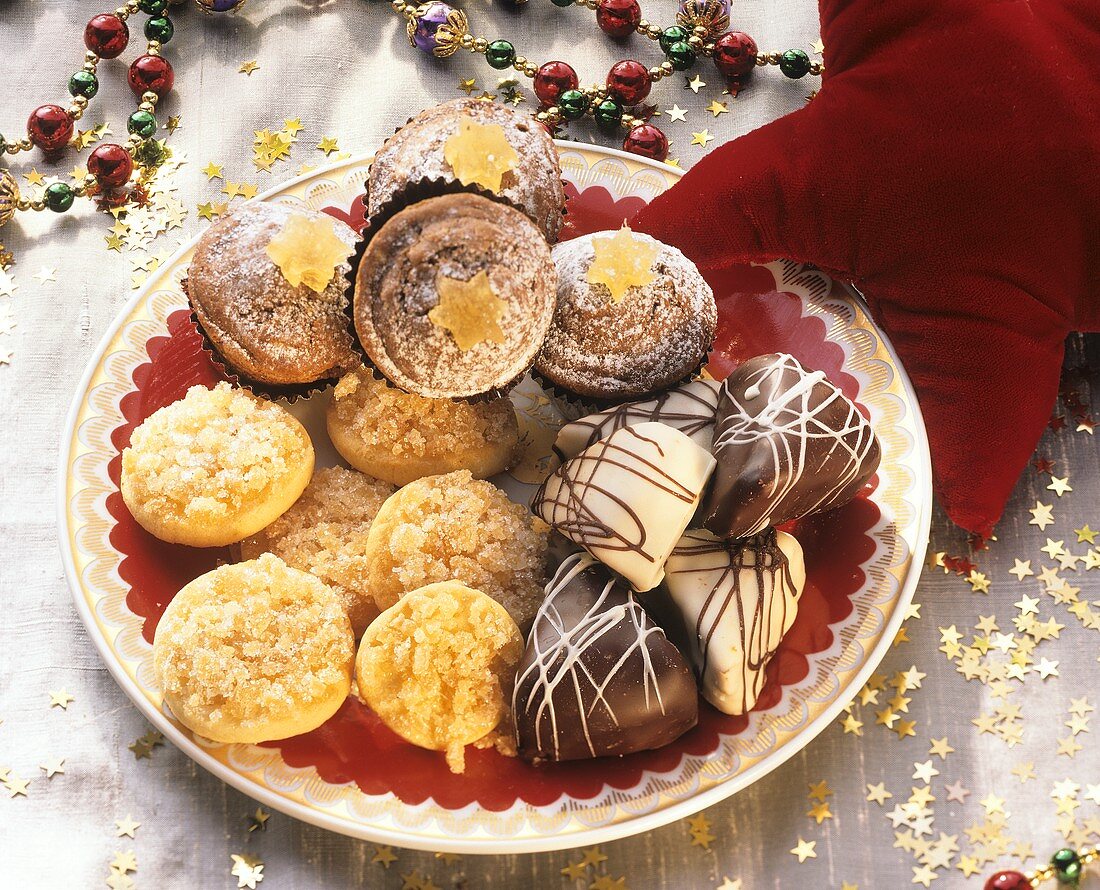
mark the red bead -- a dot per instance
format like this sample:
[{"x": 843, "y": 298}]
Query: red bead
[
  {"x": 50, "y": 128},
  {"x": 628, "y": 82},
  {"x": 648, "y": 141},
  {"x": 1008, "y": 880},
  {"x": 735, "y": 54},
  {"x": 553, "y": 79},
  {"x": 151, "y": 74},
  {"x": 618, "y": 18},
  {"x": 106, "y": 35},
  {"x": 111, "y": 165}
]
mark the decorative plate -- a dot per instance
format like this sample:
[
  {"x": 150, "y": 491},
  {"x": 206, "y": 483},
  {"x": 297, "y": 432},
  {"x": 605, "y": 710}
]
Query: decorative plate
[{"x": 353, "y": 775}]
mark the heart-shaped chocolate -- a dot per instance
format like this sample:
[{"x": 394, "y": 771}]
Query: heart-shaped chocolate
[
  {"x": 628, "y": 498},
  {"x": 737, "y": 600},
  {"x": 788, "y": 443},
  {"x": 598, "y": 677}
]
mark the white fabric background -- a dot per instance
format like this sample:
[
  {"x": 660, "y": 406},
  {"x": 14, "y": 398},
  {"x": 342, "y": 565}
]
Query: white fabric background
[{"x": 345, "y": 69}]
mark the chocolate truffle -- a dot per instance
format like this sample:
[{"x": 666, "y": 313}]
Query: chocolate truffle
[
  {"x": 737, "y": 600},
  {"x": 788, "y": 443},
  {"x": 477, "y": 144},
  {"x": 454, "y": 297},
  {"x": 689, "y": 408},
  {"x": 633, "y": 317},
  {"x": 628, "y": 498},
  {"x": 598, "y": 677},
  {"x": 263, "y": 326}
]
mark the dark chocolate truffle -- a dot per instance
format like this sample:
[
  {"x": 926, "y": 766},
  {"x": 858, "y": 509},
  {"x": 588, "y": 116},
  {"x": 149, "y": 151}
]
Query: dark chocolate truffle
[
  {"x": 598, "y": 677},
  {"x": 788, "y": 443}
]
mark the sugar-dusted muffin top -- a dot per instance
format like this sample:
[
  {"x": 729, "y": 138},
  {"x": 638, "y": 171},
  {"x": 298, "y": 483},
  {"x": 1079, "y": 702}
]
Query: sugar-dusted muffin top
[
  {"x": 325, "y": 534},
  {"x": 418, "y": 152},
  {"x": 261, "y": 325},
  {"x": 212, "y": 457},
  {"x": 249, "y": 650},
  {"x": 651, "y": 338},
  {"x": 455, "y": 527},
  {"x": 404, "y": 425}
]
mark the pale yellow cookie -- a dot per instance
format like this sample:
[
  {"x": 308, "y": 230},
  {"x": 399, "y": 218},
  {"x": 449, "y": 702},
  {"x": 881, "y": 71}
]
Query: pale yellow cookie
[
  {"x": 253, "y": 652},
  {"x": 215, "y": 467},
  {"x": 455, "y": 527},
  {"x": 399, "y": 437},
  {"x": 437, "y": 667},
  {"x": 325, "y": 534}
]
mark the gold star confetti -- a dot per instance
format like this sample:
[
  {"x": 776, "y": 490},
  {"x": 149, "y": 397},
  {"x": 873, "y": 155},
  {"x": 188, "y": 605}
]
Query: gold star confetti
[
  {"x": 469, "y": 310},
  {"x": 34, "y": 177},
  {"x": 143, "y": 746},
  {"x": 593, "y": 856},
  {"x": 248, "y": 870},
  {"x": 467, "y": 85},
  {"x": 61, "y": 699},
  {"x": 820, "y": 812},
  {"x": 247, "y": 68},
  {"x": 699, "y": 828},
  {"x": 258, "y": 820},
  {"x": 820, "y": 791},
  {"x": 16, "y": 786},
  {"x": 905, "y": 728},
  {"x": 308, "y": 251},
  {"x": 52, "y": 767},
  {"x": 694, "y": 84},
  {"x": 878, "y": 793},
  {"x": 852, "y": 725},
  {"x": 817, "y": 46},
  {"x": 384, "y": 856},
  {"x": 941, "y": 748},
  {"x": 716, "y": 108},
  {"x": 173, "y": 123},
  {"x": 126, "y": 827},
  {"x": 701, "y": 138},
  {"x": 804, "y": 850},
  {"x": 924, "y": 772},
  {"x": 45, "y": 274},
  {"x": 731, "y": 884},
  {"x": 213, "y": 171},
  {"x": 480, "y": 154},
  {"x": 1059, "y": 486},
  {"x": 978, "y": 582},
  {"x": 676, "y": 113},
  {"x": 575, "y": 871},
  {"x": 1042, "y": 515},
  {"x": 124, "y": 862},
  {"x": 247, "y": 191},
  {"x": 328, "y": 145}
]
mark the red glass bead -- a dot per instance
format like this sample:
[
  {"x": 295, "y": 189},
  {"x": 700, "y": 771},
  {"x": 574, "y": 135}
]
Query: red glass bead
[
  {"x": 106, "y": 35},
  {"x": 618, "y": 18},
  {"x": 648, "y": 141},
  {"x": 1008, "y": 880},
  {"x": 553, "y": 79},
  {"x": 151, "y": 74},
  {"x": 628, "y": 82},
  {"x": 50, "y": 128},
  {"x": 111, "y": 165},
  {"x": 735, "y": 54}
]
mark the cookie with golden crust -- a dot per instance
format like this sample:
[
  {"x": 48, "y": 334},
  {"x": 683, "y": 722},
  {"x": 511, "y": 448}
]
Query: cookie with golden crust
[
  {"x": 215, "y": 467},
  {"x": 253, "y": 652},
  {"x": 437, "y": 667},
  {"x": 325, "y": 534},
  {"x": 400, "y": 437}
]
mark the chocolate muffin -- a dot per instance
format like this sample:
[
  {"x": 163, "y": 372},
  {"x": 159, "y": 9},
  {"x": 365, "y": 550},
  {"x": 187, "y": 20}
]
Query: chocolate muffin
[
  {"x": 426, "y": 147},
  {"x": 454, "y": 297},
  {"x": 260, "y": 324},
  {"x": 633, "y": 317}
]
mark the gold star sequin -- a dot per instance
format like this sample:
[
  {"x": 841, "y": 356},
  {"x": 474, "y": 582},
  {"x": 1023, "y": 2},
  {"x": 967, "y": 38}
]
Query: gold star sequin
[
  {"x": 308, "y": 251},
  {"x": 804, "y": 850},
  {"x": 575, "y": 870},
  {"x": 1042, "y": 515},
  {"x": 61, "y": 699},
  {"x": 852, "y": 725},
  {"x": 469, "y": 310},
  {"x": 480, "y": 154},
  {"x": 701, "y": 138},
  {"x": 34, "y": 177},
  {"x": 248, "y": 67},
  {"x": 1021, "y": 569},
  {"x": 467, "y": 85},
  {"x": 384, "y": 856},
  {"x": 258, "y": 820},
  {"x": 126, "y": 827},
  {"x": 878, "y": 793},
  {"x": 248, "y": 870},
  {"x": 817, "y": 46},
  {"x": 819, "y": 812},
  {"x": 716, "y": 108},
  {"x": 978, "y": 582},
  {"x": 941, "y": 748},
  {"x": 694, "y": 84},
  {"x": 1059, "y": 486},
  {"x": 53, "y": 767},
  {"x": 328, "y": 145},
  {"x": 676, "y": 113},
  {"x": 212, "y": 171},
  {"x": 16, "y": 786},
  {"x": 173, "y": 123},
  {"x": 699, "y": 828},
  {"x": 593, "y": 856}
]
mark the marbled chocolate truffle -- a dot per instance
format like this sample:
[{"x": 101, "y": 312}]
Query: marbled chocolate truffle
[
  {"x": 418, "y": 152},
  {"x": 454, "y": 297},
  {"x": 261, "y": 325},
  {"x": 608, "y": 351}
]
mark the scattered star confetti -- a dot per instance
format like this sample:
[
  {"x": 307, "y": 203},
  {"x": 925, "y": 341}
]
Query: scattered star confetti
[
  {"x": 213, "y": 171},
  {"x": 328, "y": 145},
  {"x": 467, "y": 85},
  {"x": 694, "y": 83},
  {"x": 878, "y": 793},
  {"x": 61, "y": 699},
  {"x": 804, "y": 850},
  {"x": 53, "y": 767},
  {"x": 676, "y": 113},
  {"x": 1059, "y": 486},
  {"x": 701, "y": 138},
  {"x": 699, "y": 828},
  {"x": 16, "y": 786},
  {"x": 247, "y": 68},
  {"x": 258, "y": 820},
  {"x": 248, "y": 870},
  {"x": 716, "y": 108},
  {"x": 126, "y": 827},
  {"x": 1041, "y": 515},
  {"x": 384, "y": 856}
]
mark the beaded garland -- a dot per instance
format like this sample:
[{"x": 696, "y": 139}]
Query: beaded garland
[
  {"x": 701, "y": 26},
  {"x": 111, "y": 167},
  {"x": 1066, "y": 867}
]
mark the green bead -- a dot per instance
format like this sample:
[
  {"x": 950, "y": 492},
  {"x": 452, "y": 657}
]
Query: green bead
[
  {"x": 1067, "y": 866},
  {"x": 673, "y": 35},
  {"x": 573, "y": 104},
  {"x": 142, "y": 123},
  {"x": 608, "y": 114},
  {"x": 562, "y": 3},
  {"x": 500, "y": 54},
  {"x": 159, "y": 28},
  {"x": 794, "y": 63},
  {"x": 152, "y": 7},
  {"x": 59, "y": 196},
  {"x": 83, "y": 83},
  {"x": 681, "y": 55}
]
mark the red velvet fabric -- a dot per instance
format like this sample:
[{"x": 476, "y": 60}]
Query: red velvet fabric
[{"x": 950, "y": 168}]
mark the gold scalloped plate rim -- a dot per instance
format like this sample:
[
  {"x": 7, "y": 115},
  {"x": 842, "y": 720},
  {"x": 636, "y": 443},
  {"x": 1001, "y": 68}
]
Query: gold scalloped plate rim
[{"x": 836, "y": 675}]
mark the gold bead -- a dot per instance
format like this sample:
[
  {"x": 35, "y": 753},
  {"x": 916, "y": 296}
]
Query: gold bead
[
  {"x": 816, "y": 67},
  {"x": 134, "y": 139},
  {"x": 695, "y": 41},
  {"x": 666, "y": 68},
  {"x": 655, "y": 31},
  {"x": 466, "y": 41},
  {"x": 656, "y": 73},
  {"x": 773, "y": 58},
  {"x": 481, "y": 45},
  {"x": 519, "y": 62},
  {"x": 123, "y": 13},
  {"x": 530, "y": 69},
  {"x": 89, "y": 67},
  {"x": 147, "y": 106},
  {"x": 541, "y": 117},
  {"x": 38, "y": 204},
  {"x": 150, "y": 97},
  {"x": 76, "y": 112},
  {"x": 82, "y": 101},
  {"x": 91, "y": 57},
  {"x": 153, "y": 48}
]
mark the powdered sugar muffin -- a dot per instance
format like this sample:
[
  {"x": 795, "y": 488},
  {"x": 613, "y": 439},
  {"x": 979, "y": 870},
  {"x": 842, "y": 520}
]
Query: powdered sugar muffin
[
  {"x": 325, "y": 534},
  {"x": 437, "y": 667},
  {"x": 262, "y": 325},
  {"x": 455, "y": 527},
  {"x": 633, "y": 317},
  {"x": 426, "y": 148},
  {"x": 399, "y": 437},
  {"x": 215, "y": 467},
  {"x": 253, "y": 652}
]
